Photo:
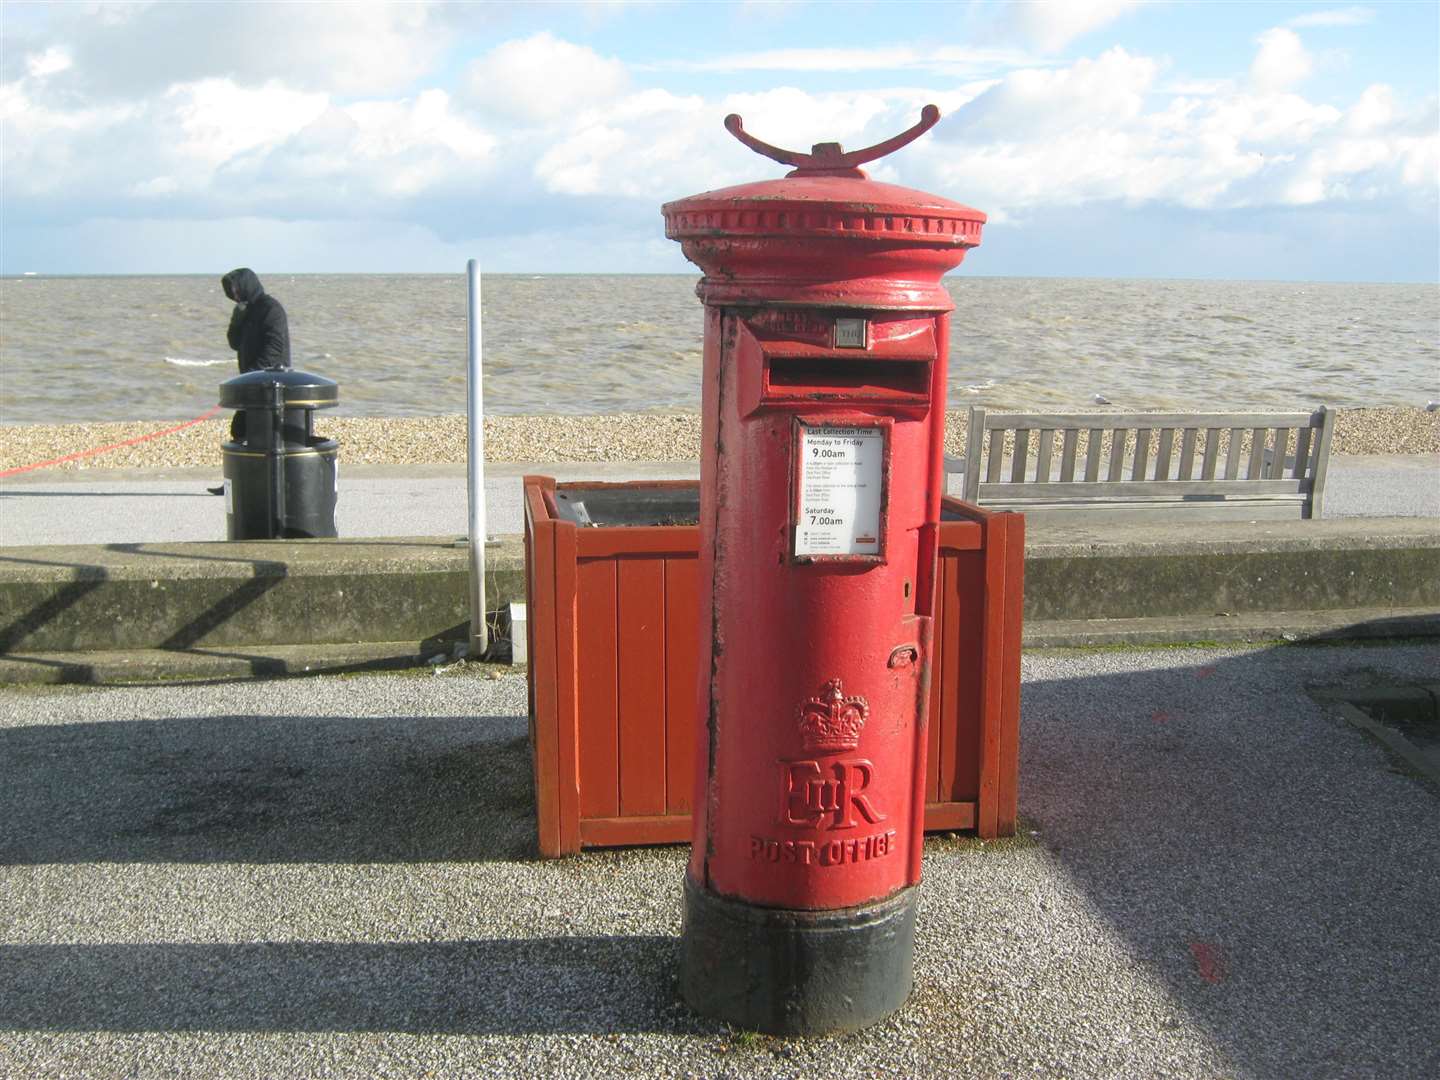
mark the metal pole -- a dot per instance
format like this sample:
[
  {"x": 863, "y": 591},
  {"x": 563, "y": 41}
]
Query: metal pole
[
  {"x": 475, "y": 472},
  {"x": 277, "y": 459}
]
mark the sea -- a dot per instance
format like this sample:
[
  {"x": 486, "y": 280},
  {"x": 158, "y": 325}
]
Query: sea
[{"x": 83, "y": 349}]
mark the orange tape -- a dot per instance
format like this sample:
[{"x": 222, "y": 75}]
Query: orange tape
[{"x": 113, "y": 446}]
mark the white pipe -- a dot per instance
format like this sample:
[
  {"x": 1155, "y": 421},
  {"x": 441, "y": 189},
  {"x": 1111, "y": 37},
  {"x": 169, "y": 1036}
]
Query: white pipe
[{"x": 475, "y": 472}]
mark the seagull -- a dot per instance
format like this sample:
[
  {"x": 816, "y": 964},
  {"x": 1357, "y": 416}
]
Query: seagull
[
  {"x": 1432, "y": 406},
  {"x": 1100, "y": 399}
]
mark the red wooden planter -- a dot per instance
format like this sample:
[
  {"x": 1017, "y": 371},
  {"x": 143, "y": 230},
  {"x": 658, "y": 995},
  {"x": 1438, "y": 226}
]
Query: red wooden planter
[{"x": 613, "y": 630}]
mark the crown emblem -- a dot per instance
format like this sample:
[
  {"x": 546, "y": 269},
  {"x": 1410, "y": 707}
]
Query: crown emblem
[{"x": 832, "y": 721}]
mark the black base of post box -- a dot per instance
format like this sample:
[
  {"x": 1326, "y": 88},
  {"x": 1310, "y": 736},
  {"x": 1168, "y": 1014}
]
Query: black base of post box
[{"x": 789, "y": 972}]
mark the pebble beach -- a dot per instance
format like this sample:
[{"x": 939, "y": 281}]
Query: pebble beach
[{"x": 433, "y": 440}]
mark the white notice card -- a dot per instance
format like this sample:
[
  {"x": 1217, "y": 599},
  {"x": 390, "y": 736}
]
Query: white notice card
[{"x": 840, "y": 475}]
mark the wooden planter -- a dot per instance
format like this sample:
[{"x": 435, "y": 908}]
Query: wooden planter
[{"x": 613, "y": 613}]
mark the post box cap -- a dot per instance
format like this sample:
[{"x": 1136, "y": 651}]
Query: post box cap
[
  {"x": 827, "y": 195},
  {"x": 298, "y": 390},
  {"x": 825, "y": 234}
]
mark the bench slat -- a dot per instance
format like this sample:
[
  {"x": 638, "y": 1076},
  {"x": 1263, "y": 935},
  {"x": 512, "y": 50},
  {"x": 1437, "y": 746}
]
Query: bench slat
[
  {"x": 1121, "y": 489},
  {"x": 1162, "y": 459},
  {"x": 1212, "y": 450},
  {"x": 1092, "y": 455},
  {"x": 1062, "y": 421},
  {"x": 1118, "y": 438},
  {"x": 1142, "y": 454},
  {"x": 1302, "y": 453},
  {"x": 1232, "y": 454},
  {"x": 1214, "y": 510},
  {"x": 996, "y": 454},
  {"x": 1067, "y": 455},
  {"x": 1187, "y": 454},
  {"x": 974, "y": 445},
  {"x": 1277, "y": 459},
  {"x": 1042, "y": 454},
  {"x": 1257, "y": 452},
  {"x": 1021, "y": 456},
  {"x": 1325, "y": 426}
]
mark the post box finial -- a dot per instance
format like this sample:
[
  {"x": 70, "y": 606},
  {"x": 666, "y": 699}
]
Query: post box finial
[{"x": 830, "y": 159}]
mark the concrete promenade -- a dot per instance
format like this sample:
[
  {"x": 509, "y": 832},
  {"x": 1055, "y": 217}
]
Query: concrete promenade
[
  {"x": 147, "y": 506},
  {"x": 1216, "y": 876},
  {"x": 392, "y": 590}
]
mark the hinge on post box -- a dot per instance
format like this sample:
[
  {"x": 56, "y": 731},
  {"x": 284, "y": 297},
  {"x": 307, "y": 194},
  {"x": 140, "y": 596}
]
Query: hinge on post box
[{"x": 903, "y": 656}]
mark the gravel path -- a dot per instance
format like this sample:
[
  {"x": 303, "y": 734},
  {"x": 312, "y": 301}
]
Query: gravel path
[
  {"x": 620, "y": 437},
  {"x": 331, "y": 876}
]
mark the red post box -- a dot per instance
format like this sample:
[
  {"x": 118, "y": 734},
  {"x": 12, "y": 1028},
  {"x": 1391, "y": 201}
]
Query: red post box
[{"x": 826, "y": 330}]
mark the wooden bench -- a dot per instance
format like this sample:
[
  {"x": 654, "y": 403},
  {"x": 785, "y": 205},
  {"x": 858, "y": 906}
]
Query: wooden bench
[{"x": 1216, "y": 465}]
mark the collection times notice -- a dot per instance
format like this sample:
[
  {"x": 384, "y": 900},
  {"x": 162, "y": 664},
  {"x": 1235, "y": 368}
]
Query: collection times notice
[{"x": 840, "y": 477}]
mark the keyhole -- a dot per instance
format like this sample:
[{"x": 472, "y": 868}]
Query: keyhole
[{"x": 907, "y": 588}]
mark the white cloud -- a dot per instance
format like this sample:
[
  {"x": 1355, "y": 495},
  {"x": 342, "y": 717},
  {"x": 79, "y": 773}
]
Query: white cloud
[
  {"x": 1420, "y": 161},
  {"x": 543, "y": 78},
  {"x": 157, "y": 187},
  {"x": 1195, "y": 87},
  {"x": 1100, "y": 130},
  {"x": 365, "y": 245},
  {"x": 1053, "y": 24},
  {"x": 44, "y": 149},
  {"x": 50, "y": 62},
  {"x": 637, "y": 147},
  {"x": 546, "y": 136},
  {"x": 1277, "y": 121},
  {"x": 219, "y": 120},
  {"x": 356, "y": 158},
  {"x": 228, "y": 148},
  {"x": 1374, "y": 110},
  {"x": 1350, "y": 16},
  {"x": 942, "y": 59},
  {"x": 1281, "y": 61},
  {"x": 1090, "y": 93},
  {"x": 130, "y": 50}
]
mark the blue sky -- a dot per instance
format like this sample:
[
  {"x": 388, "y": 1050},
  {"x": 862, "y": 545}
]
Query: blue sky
[{"x": 1297, "y": 141}]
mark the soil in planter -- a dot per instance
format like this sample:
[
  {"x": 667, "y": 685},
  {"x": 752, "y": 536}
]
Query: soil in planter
[
  {"x": 638, "y": 505},
  {"x": 630, "y": 505}
]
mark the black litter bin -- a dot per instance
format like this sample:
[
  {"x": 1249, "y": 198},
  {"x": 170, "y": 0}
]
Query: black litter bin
[{"x": 279, "y": 475}]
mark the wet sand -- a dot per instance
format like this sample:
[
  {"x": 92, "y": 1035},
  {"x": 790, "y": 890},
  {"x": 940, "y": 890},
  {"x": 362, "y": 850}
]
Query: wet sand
[{"x": 616, "y": 437}]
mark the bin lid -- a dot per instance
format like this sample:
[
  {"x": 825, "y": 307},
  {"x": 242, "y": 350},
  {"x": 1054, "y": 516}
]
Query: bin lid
[{"x": 300, "y": 390}]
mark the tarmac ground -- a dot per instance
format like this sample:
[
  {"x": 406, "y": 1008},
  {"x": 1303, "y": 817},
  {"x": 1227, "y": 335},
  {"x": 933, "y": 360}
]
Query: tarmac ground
[
  {"x": 1217, "y": 875},
  {"x": 104, "y": 506}
]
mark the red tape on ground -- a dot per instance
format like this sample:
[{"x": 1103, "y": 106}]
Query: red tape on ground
[{"x": 113, "y": 446}]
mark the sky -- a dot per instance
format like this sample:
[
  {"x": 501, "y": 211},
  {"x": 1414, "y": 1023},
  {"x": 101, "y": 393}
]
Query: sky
[{"x": 1104, "y": 138}]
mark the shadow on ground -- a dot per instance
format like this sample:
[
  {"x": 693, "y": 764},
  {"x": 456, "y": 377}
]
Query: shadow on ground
[
  {"x": 598, "y": 985},
  {"x": 265, "y": 790}
]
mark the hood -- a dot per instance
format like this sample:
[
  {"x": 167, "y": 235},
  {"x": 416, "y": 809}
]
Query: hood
[{"x": 242, "y": 285}]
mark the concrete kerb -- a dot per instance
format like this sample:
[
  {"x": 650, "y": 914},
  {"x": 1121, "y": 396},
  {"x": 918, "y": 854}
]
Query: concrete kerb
[
  {"x": 156, "y": 666},
  {"x": 214, "y": 595},
  {"x": 275, "y": 607}
]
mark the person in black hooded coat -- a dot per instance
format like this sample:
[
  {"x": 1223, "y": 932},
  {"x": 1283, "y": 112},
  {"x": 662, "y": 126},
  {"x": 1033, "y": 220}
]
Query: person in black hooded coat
[
  {"x": 259, "y": 330},
  {"x": 259, "y": 333}
]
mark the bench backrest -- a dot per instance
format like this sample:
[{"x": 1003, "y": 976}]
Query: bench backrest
[{"x": 1098, "y": 456}]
